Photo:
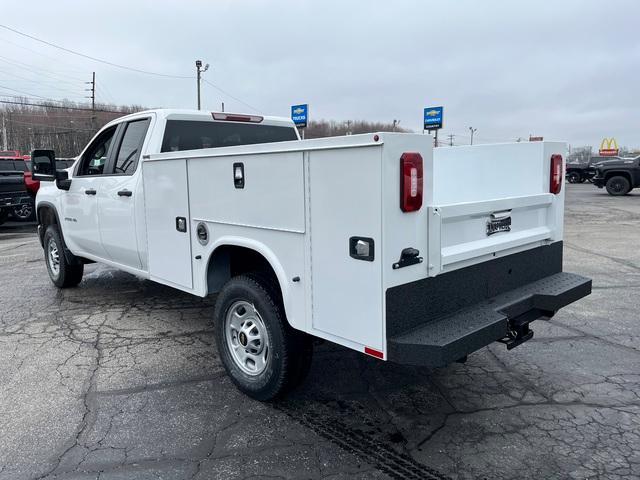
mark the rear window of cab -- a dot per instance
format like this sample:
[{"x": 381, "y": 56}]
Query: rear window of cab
[{"x": 194, "y": 135}]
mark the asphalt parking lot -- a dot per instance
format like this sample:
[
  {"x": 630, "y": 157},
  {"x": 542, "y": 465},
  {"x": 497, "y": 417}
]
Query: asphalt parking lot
[{"x": 120, "y": 378}]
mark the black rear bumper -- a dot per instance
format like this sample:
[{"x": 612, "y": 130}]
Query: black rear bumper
[
  {"x": 14, "y": 199},
  {"x": 439, "y": 320}
]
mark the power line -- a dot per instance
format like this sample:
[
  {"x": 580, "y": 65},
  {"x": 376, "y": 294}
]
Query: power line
[
  {"x": 19, "y": 64},
  {"x": 57, "y": 60},
  {"x": 229, "y": 95},
  {"x": 44, "y": 83},
  {"x": 24, "y": 93},
  {"x": 95, "y": 59}
]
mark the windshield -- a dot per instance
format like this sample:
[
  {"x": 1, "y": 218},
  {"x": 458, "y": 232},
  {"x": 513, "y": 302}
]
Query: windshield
[{"x": 193, "y": 135}]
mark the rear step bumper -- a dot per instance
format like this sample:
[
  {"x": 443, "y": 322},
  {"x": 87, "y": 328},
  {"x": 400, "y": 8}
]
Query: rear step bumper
[{"x": 503, "y": 317}]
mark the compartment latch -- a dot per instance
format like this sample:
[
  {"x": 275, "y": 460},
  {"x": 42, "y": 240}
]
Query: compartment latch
[{"x": 409, "y": 256}]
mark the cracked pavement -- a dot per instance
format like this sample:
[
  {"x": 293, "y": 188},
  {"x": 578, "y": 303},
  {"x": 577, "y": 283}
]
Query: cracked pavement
[{"x": 120, "y": 378}]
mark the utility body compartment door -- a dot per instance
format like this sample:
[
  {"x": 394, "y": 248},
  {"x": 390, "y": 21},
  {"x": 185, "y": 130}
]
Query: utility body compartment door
[
  {"x": 345, "y": 199},
  {"x": 166, "y": 203}
]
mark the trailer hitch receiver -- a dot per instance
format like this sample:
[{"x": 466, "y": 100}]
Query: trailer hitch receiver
[{"x": 518, "y": 332}]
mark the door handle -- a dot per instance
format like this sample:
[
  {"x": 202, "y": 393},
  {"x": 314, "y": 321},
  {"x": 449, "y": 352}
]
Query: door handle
[
  {"x": 90, "y": 191},
  {"x": 125, "y": 193}
]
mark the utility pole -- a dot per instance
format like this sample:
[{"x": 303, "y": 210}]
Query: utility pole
[
  {"x": 450, "y": 139},
  {"x": 199, "y": 72},
  {"x": 472, "y": 130},
  {"x": 223, "y": 106},
  {"x": 395, "y": 124},
  {"x": 92, "y": 97},
  {"x": 92, "y": 90}
]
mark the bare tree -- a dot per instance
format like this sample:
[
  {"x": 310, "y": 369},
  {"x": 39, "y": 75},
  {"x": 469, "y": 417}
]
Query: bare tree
[
  {"x": 64, "y": 126},
  {"x": 332, "y": 128}
]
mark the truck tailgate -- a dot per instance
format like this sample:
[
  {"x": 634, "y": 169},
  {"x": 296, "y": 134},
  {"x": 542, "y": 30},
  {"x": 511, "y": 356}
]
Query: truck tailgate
[{"x": 491, "y": 200}]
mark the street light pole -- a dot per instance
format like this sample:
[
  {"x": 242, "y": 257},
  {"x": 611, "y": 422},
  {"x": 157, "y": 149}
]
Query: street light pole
[
  {"x": 199, "y": 72},
  {"x": 472, "y": 130}
]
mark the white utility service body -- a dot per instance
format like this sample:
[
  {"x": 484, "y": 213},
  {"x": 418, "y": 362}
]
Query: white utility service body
[{"x": 326, "y": 215}]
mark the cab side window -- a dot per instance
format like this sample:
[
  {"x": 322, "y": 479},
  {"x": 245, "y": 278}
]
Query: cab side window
[
  {"x": 95, "y": 158},
  {"x": 130, "y": 147}
]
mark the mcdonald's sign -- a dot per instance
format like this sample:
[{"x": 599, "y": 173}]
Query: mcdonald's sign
[{"x": 609, "y": 147}]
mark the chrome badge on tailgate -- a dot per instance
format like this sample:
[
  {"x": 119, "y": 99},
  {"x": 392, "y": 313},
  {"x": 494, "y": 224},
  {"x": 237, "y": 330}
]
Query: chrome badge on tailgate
[{"x": 499, "y": 222}]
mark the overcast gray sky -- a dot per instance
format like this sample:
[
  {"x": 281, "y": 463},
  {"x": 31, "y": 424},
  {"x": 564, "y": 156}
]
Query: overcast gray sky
[{"x": 567, "y": 70}]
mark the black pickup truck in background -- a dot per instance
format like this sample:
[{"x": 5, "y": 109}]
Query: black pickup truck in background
[
  {"x": 13, "y": 191},
  {"x": 583, "y": 171},
  {"x": 579, "y": 172},
  {"x": 618, "y": 176}
]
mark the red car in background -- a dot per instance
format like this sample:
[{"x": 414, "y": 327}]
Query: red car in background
[{"x": 32, "y": 185}]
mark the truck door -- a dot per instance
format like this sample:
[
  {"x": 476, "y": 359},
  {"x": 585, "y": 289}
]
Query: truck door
[
  {"x": 79, "y": 216},
  {"x": 118, "y": 195}
]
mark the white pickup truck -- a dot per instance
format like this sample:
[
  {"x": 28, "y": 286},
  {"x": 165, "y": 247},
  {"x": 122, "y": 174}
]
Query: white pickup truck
[{"x": 375, "y": 242}]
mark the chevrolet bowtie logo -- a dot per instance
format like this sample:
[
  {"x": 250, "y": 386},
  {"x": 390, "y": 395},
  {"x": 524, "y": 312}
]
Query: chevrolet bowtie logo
[
  {"x": 432, "y": 113},
  {"x": 298, "y": 111}
]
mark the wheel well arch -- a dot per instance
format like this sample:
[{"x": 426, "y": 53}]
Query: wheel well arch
[
  {"x": 618, "y": 173},
  {"x": 231, "y": 259},
  {"x": 46, "y": 214}
]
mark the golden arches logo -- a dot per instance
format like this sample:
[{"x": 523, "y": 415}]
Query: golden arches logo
[
  {"x": 609, "y": 144},
  {"x": 609, "y": 147}
]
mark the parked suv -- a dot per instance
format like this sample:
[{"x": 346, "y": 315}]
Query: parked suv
[{"x": 619, "y": 176}]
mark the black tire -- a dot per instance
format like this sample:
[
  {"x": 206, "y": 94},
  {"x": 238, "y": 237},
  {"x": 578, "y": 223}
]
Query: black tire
[
  {"x": 64, "y": 274},
  {"x": 257, "y": 301},
  {"x": 574, "y": 177},
  {"x": 618, "y": 185},
  {"x": 24, "y": 213},
  {"x": 4, "y": 215}
]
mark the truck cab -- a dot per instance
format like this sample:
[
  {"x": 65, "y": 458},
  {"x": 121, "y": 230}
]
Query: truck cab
[{"x": 101, "y": 209}]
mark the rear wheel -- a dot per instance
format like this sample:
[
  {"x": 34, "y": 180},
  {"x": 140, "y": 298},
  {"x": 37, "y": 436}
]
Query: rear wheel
[
  {"x": 618, "y": 185},
  {"x": 261, "y": 353},
  {"x": 4, "y": 215},
  {"x": 573, "y": 177},
  {"x": 62, "y": 273}
]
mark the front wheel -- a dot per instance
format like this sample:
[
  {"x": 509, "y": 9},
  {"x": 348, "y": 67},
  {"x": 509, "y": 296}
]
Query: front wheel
[
  {"x": 261, "y": 353},
  {"x": 573, "y": 177},
  {"x": 62, "y": 273},
  {"x": 618, "y": 185}
]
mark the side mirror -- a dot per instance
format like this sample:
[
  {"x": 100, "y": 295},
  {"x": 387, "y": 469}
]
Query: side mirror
[
  {"x": 63, "y": 182},
  {"x": 43, "y": 165}
]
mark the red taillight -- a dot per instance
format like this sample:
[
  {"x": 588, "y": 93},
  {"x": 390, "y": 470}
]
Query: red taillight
[
  {"x": 410, "y": 181},
  {"x": 232, "y": 117},
  {"x": 555, "y": 184}
]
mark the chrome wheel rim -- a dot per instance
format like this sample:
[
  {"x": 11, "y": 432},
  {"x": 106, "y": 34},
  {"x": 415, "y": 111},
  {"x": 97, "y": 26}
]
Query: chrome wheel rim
[
  {"x": 23, "y": 211},
  {"x": 247, "y": 338},
  {"x": 53, "y": 255}
]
